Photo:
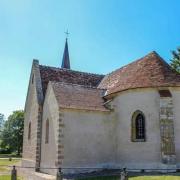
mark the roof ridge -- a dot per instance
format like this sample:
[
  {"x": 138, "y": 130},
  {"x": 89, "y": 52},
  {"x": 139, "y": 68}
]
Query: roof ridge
[
  {"x": 152, "y": 53},
  {"x": 164, "y": 62},
  {"x": 86, "y": 86},
  {"x": 64, "y": 69},
  {"x": 135, "y": 61},
  {"x": 150, "y": 70},
  {"x": 139, "y": 59}
]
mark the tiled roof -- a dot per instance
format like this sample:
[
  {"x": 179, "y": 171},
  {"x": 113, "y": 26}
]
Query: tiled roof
[
  {"x": 149, "y": 71},
  {"x": 78, "y": 97},
  {"x": 68, "y": 76}
]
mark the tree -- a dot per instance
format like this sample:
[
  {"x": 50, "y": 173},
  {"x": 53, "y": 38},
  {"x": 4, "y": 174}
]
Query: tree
[
  {"x": 12, "y": 133},
  {"x": 1, "y": 121},
  {"x": 175, "y": 61}
]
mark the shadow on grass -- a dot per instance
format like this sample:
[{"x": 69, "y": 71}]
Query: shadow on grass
[{"x": 10, "y": 156}]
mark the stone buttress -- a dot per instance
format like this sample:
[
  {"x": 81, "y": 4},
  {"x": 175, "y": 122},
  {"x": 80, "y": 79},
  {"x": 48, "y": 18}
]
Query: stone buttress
[{"x": 168, "y": 153}]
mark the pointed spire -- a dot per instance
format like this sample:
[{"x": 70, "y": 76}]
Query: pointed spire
[{"x": 66, "y": 60}]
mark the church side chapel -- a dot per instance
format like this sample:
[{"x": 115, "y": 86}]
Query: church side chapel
[{"x": 127, "y": 118}]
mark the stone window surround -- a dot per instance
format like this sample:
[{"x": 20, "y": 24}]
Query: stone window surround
[
  {"x": 47, "y": 132},
  {"x": 29, "y": 131},
  {"x": 133, "y": 127},
  {"x": 32, "y": 80}
]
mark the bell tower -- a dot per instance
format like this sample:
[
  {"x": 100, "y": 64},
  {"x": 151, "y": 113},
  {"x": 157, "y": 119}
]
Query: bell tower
[{"x": 66, "y": 60}]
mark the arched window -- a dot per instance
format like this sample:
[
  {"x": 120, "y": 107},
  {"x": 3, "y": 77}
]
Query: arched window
[
  {"x": 138, "y": 126},
  {"x": 29, "y": 131},
  {"x": 47, "y": 132}
]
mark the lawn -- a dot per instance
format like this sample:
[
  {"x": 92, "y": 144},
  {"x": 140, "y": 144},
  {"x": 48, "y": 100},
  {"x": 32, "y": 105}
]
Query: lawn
[
  {"x": 6, "y": 177},
  {"x": 6, "y": 162},
  {"x": 10, "y": 155},
  {"x": 5, "y": 170}
]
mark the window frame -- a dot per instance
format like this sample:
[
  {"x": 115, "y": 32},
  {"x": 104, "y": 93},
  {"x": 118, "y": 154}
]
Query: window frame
[
  {"x": 29, "y": 131},
  {"x": 134, "y": 127},
  {"x": 32, "y": 80},
  {"x": 47, "y": 132}
]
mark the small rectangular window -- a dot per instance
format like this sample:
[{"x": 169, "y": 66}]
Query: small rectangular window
[
  {"x": 165, "y": 93},
  {"x": 29, "y": 131},
  {"x": 32, "y": 79},
  {"x": 47, "y": 132}
]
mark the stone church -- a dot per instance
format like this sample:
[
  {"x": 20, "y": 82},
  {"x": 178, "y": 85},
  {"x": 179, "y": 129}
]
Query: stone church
[{"x": 127, "y": 118}]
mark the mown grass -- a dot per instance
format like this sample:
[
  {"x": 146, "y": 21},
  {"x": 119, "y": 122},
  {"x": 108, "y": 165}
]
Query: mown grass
[
  {"x": 10, "y": 155},
  {"x": 7, "y": 177},
  {"x": 6, "y": 162}
]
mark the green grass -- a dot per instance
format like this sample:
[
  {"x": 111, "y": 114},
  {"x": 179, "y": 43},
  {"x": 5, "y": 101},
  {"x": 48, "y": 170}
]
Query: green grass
[
  {"x": 3, "y": 169},
  {"x": 6, "y": 162},
  {"x": 6, "y": 177},
  {"x": 10, "y": 155}
]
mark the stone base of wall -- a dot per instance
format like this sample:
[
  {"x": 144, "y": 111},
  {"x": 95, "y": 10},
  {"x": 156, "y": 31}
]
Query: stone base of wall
[
  {"x": 148, "y": 167},
  {"x": 133, "y": 167},
  {"x": 169, "y": 159},
  {"x": 178, "y": 165},
  {"x": 28, "y": 163},
  {"x": 30, "y": 175},
  {"x": 48, "y": 171},
  {"x": 97, "y": 167}
]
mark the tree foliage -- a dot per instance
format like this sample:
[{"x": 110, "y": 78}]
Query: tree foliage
[
  {"x": 12, "y": 133},
  {"x": 175, "y": 61},
  {"x": 1, "y": 121}
]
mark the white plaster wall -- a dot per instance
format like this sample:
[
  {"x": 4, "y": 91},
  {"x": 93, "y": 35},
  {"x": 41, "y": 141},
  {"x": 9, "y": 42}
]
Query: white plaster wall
[
  {"x": 138, "y": 154},
  {"x": 31, "y": 115},
  {"x": 97, "y": 139},
  {"x": 49, "y": 150},
  {"x": 89, "y": 139},
  {"x": 176, "y": 102}
]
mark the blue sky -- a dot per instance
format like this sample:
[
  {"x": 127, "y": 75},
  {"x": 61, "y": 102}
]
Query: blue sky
[{"x": 104, "y": 35}]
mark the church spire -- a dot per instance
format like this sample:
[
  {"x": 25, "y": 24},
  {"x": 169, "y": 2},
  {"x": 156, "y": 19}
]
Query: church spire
[{"x": 66, "y": 60}]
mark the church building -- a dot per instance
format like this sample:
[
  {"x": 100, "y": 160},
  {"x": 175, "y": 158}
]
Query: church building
[{"x": 127, "y": 118}]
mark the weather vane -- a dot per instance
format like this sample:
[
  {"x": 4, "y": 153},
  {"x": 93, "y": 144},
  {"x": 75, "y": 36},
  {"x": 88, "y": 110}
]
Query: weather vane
[{"x": 67, "y": 33}]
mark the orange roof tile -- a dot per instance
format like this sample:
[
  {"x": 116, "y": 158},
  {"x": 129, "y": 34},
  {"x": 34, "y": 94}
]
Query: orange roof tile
[
  {"x": 68, "y": 76},
  {"x": 78, "y": 97},
  {"x": 149, "y": 71}
]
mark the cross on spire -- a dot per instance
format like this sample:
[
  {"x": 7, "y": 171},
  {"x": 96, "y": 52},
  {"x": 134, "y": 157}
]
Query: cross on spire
[
  {"x": 67, "y": 33},
  {"x": 66, "y": 60}
]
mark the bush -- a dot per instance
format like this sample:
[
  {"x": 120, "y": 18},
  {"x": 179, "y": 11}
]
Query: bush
[{"x": 5, "y": 151}]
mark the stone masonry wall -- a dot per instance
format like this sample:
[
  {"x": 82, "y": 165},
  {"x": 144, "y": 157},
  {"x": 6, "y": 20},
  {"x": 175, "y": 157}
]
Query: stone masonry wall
[
  {"x": 33, "y": 113},
  {"x": 167, "y": 130},
  {"x": 49, "y": 154},
  {"x": 176, "y": 110},
  {"x": 60, "y": 139}
]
